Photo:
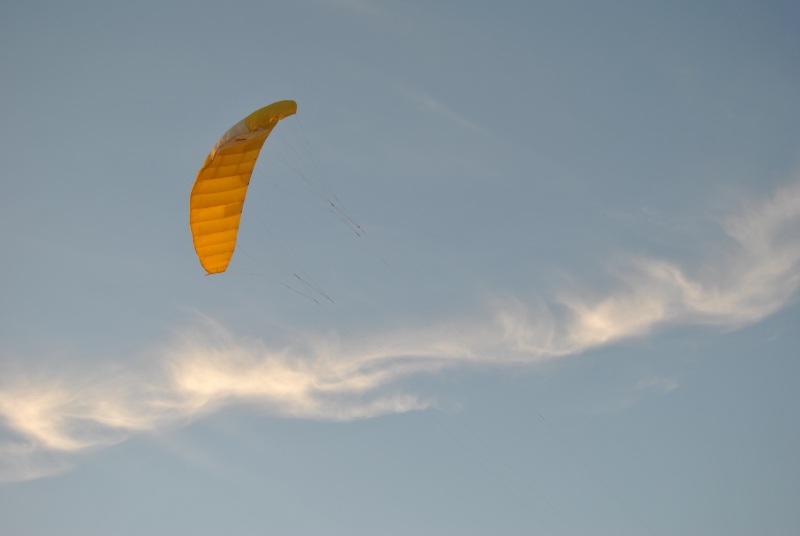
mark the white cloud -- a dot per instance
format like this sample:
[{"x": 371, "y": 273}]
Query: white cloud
[
  {"x": 25, "y": 460},
  {"x": 429, "y": 104},
  {"x": 659, "y": 386},
  {"x": 755, "y": 276},
  {"x": 664, "y": 385},
  {"x": 48, "y": 416}
]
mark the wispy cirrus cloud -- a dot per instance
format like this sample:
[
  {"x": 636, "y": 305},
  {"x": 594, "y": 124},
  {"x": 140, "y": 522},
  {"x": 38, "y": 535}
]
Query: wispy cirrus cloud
[
  {"x": 432, "y": 105},
  {"x": 48, "y": 417},
  {"x": 750, "y": 277}
]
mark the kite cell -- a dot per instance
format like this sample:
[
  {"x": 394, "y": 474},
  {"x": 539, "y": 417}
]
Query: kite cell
[{"x": 215, "y": 205}]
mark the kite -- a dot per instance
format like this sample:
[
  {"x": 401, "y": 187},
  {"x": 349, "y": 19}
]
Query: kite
[{"x": 217, "y": 198}]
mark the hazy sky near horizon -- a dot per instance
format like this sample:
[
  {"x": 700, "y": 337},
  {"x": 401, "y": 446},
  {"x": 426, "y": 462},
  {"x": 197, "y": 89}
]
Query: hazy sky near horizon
[{"x": 557, "y": 293}]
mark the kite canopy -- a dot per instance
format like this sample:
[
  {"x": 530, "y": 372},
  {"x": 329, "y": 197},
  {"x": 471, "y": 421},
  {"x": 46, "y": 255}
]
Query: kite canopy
[{"x": 215, "y": 205}]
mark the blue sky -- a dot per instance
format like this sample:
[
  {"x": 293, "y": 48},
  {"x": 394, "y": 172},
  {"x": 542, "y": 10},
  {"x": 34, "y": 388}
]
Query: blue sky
[{"x": 570, "y": 306}]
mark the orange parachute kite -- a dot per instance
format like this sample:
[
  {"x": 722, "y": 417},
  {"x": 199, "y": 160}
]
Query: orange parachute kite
[{"x": 215, "y": 205}]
